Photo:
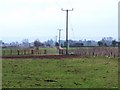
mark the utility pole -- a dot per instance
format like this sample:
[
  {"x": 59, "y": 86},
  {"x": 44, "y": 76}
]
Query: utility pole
[
  {"x": 56, "y": 38},
  {"x": 67, "y": 44},
  {"x": 59, "y": 38}
]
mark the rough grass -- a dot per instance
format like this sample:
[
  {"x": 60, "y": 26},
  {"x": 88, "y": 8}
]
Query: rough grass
[{"x": 64, "y": 73}]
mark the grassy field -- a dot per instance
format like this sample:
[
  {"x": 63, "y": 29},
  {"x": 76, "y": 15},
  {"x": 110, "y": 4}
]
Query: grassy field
[{"x": 65, "y": 73}]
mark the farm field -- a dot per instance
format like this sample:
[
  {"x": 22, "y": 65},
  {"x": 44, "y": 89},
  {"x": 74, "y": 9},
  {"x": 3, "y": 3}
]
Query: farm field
[{"x": 95, "y": 72}]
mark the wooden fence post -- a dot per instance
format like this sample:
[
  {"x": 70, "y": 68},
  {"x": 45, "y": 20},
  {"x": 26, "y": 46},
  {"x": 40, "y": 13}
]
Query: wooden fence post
[
  {"x": 45, "y": 51},
  {"x": 40, "y": 52},
  {"x": 11, "y": 52},
  {"x": 3, "y": 52},
  {"x": 93, "y": 54},
  {"x": 24, "y": 52},
  {"x": 32, "y": 52},
  {"x": 18, "y": 52},
  {"x": 62, "y": 51}
]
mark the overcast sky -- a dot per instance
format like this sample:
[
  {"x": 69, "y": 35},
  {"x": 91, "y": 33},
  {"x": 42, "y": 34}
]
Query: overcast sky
[{"x": 40, "y": 19}]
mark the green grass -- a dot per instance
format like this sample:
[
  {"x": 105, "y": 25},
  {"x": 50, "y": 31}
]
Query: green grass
[{"x": 64, "y": 73}]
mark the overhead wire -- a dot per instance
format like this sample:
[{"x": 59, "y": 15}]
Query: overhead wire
[
  {"x": 69, "y": 4},
  {"x": 57, "y": 4},
  {"x": 70, "y": 20},
  {"x": 71, "y": 26}
]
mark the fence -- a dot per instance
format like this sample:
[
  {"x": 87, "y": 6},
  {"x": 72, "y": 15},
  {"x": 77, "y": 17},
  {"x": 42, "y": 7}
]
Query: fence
[
  {"x": 96, "y": 51},
  {"x": 82, "y": 51},
  {"x": 27, "y": 52}
]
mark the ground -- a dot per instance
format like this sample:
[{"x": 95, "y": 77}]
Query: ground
[{"x": 96, "y": 72}]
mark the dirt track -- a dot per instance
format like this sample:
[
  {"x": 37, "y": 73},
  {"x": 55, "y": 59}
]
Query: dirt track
[{"x": 41, "y": 56}]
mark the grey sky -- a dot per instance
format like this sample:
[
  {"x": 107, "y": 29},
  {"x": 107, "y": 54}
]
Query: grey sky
[{"x": 32, "y": 19}]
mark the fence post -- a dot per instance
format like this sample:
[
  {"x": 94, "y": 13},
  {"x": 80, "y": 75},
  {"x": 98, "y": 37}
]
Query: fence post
[
  {"x": 11, "y": 52},
  {"x": 24, "y": 52},
  {"x": 32, "y": 52},
  {"x": 62, "y": 51},
  {"x": 93, "y": 54},
  {"x": 3, "y": 53},
  {"x": 45, "y": 51},
  {"x": 111, "y": 54},
  {"x": 18, "y": 52},
  {"x": 40, "y": 52}
]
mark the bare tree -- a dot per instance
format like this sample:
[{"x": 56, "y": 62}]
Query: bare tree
[{"x": 25, "y": 43}]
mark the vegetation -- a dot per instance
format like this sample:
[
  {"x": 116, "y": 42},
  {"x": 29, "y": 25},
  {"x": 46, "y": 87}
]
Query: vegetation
[
  {"x": 95, "y": 72},
  {"x": 37, "y": 44}
]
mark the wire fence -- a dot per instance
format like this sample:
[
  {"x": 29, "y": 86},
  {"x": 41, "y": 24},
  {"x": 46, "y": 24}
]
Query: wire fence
[
  {"x": 96, "y": 51},
  {"x": 81, "y": 51},
  {"x": 15, "y": 52}
]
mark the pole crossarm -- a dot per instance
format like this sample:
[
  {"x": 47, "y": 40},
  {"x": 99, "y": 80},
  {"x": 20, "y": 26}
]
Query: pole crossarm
[{"x": 67, "y": 9}]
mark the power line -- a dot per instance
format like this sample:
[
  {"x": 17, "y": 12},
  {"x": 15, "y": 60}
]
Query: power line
[
  {"x": 57, "y": 4},
  {"x": 60, "y": 4},
  {"x": 70, "y": 3},
  {"x": 72, "y": 27},
  {"x": 67, "y": 44}
]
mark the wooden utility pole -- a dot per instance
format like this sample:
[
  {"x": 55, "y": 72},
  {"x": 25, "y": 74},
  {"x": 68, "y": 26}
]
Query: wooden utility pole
[
  {"x": 67, "y": 44},
  {"x": 59, "y": 38},
  {"x": 56, "y": 38}
]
